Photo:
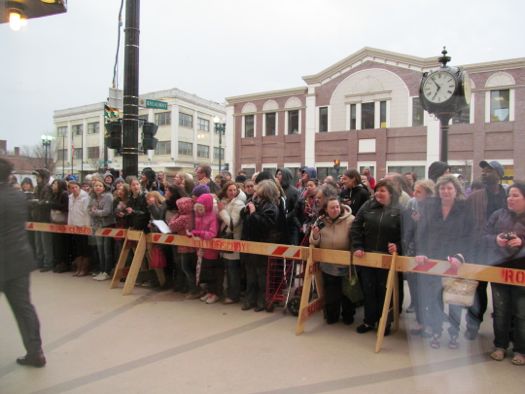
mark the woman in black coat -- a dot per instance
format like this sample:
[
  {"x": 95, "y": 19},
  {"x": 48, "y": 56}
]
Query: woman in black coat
[
  {"x": 376, "y": 228},
  {"x": 260, "y": 224},
  {"x": 444, "y": 232},
  {"x": 59, "y": 204}
]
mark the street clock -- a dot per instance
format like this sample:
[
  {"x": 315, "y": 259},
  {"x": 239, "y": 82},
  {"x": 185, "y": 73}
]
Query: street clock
[{"x": 444, "y": 93}]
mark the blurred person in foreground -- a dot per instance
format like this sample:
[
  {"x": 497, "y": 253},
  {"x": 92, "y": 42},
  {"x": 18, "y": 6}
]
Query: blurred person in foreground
[{"x": 16, "y": 262}]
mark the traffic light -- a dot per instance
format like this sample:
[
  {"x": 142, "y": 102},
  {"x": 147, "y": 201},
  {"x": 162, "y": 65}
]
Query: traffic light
[
  {"x": 113, "y": 134},
  {"x": 148, "y": 141},
  {"x": 110, "y": 112},
  {"x": 337, "y": 163}
]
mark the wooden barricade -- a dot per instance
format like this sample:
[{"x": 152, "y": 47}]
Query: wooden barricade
[{"x": 135, "y": 241}]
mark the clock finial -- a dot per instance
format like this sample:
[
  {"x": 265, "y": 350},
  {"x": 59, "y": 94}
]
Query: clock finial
[{"x": 444, "y": 59}]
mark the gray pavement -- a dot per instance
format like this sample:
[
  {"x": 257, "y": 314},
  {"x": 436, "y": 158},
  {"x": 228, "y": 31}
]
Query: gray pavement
[{"x": 98, "y": 341}]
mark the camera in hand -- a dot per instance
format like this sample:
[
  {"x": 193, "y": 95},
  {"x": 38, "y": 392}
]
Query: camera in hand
[
  {"x": 319, "y": 224},
  {"x": 508, "y": 236}
]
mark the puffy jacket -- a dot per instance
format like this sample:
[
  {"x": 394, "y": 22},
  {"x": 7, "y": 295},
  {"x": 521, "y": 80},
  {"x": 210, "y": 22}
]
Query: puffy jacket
[
  {"x": 334, "y": 235},
  {"x": 206, "y": 223},
  {"x": 183, "y": 221},
  {"x": 78, "y": 210},
  {"x": 375, "y": 226},
  {"x": 504, "y": 221},
  {"x": 231, "y": 215}
]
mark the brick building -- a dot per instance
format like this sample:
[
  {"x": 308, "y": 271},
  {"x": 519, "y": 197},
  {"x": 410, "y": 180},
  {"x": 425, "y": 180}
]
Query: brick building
[{"x": 365, "y": 111}]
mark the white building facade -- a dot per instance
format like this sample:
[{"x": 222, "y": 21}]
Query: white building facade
[{"x": 186, "y": 136}]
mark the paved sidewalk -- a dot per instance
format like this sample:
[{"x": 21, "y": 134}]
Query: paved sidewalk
[{"x": 98, "y": 341}]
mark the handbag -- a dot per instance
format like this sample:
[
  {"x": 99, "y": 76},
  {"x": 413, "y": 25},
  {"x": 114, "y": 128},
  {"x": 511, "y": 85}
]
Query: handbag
[
  {"x": 158, "y": 258},
  {"x": 352, "y": 287},
  {"x": 459, "y": 291},
  {"x": 58, "y": 216}
]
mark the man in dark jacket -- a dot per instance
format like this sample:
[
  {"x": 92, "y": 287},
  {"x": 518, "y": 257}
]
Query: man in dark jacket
[
  {"x": 293, "y": 224},
  {"x": 41, "y": 210},
  {"x": 16, "y": 262},
  {"x": 484, "y": 203}
]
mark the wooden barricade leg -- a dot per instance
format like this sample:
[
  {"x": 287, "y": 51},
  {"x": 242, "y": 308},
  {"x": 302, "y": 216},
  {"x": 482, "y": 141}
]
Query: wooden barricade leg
[
  {"x": 121, "y": 263},
  {"x": 136, "y": 263},
  {"x": 396, "y": 301},
  {"x": 390, "y": 284},
  {"x": 306, "y": 308}
]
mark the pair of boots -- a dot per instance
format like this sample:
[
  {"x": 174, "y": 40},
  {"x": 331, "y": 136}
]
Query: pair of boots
[{"x": 82, "y": 264}]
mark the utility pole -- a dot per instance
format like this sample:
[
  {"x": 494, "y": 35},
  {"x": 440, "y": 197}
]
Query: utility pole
[{"x": 130, "y": 158}]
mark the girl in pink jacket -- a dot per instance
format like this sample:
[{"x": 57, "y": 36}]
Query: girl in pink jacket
[{"x": 207, "y": 227}]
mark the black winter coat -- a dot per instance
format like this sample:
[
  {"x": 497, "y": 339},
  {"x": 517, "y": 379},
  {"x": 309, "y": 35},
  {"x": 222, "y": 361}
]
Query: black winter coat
[
  {"x": 355, "y": 197},
  {"x": 375, "y": 226},
  {"x": 262, "y": 225},
  {"x": 504, "y": 221},
  {"x": 16, "y": 257},
  {"x": 439, "y": 238}
]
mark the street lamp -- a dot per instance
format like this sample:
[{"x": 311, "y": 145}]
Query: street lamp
[
  {"x": 219, "y": 128},
  {"x": 46, "y": 143}
]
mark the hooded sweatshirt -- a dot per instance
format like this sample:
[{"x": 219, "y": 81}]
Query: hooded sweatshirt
[
  {"x": 183, "y": 221},
  {"x": 206, "y": 223}
]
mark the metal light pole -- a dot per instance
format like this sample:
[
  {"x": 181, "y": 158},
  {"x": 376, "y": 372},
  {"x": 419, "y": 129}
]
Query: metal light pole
[
  {"x": 63, "y": 154},
  {"x": 46, "y": 143},
  {"x": 130, "y": 158},
  {"x": 219, "y": 128}
]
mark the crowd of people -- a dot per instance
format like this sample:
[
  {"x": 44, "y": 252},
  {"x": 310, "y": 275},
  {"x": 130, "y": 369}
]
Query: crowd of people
[{"x": 434, "y": 218}]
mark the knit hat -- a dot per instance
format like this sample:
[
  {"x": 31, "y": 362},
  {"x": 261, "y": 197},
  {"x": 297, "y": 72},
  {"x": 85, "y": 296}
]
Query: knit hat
[
  {"x": 495, "y": 165},
  {"x": 311, "y": 171},
  {"x": 199, "y": 190}
]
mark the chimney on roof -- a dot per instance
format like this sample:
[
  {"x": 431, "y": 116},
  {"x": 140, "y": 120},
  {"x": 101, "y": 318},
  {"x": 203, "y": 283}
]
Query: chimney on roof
[
  {"x": 17, "y": 151},
  {"x": 3, "y": 147}
]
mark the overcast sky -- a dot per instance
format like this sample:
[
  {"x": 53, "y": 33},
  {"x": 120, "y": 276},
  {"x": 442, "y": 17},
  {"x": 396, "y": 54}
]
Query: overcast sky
[{"x": 222, "y": 48}]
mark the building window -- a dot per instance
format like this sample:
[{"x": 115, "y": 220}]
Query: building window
[
  {"x": 463, "y": 116},
  {"x": 163, "y": 118},
  {"x": 367, "y": 115},
  {"x": 163, "y": 148},
  {"x": 353, "y": 116},
  {"x": 185, "y": 120},
  {"x": 293, "y": 122},
  {"x": 77, "y": 129},
  {"x": 61, "y": 131},
  {"x": 419, "y": 170},
  {"x": 216, "y": 153},
  {"x": 270, "y": 119},
  {"x": 77, "y": 154},
  {"x": 143, "y": 117},
  {"x": 62, "y": 155},
  {"x": 417, "y": 112},
  {"x": 499, "y": 105},
  {"x": 203, "y": 151},
  {"x": 185, "y": 148},
  {"x": 93, "y": 152},
  {"x": 382, "y": 114},
  {"x": 249, "y": 123},
  {"x": 203, "y": 124},
  {"x": 323, "y": 119},
  {"x": 93, "y": 128}
]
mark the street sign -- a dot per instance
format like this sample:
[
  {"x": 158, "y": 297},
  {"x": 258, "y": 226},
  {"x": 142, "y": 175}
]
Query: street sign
[{"x": 156, "y": 104}]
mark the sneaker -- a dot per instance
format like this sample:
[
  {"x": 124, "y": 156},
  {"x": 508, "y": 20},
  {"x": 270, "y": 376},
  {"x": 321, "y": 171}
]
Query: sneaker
[
  {"x": 102, "y": 276},
  {"x": 228, "y": 301},
  {"x": 212, "y": 299},
  {"x": 204, "y": 298}
]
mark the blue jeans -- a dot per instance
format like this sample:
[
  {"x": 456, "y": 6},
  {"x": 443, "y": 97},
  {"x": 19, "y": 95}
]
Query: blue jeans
[
  {"x": 44, "y": 249},
  {"x": 509, "y": 307},
  {"x": 105, "y": 254}
]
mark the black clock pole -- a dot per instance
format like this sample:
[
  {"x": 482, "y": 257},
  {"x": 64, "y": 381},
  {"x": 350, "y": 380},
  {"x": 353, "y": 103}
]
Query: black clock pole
[{"x": 444, "y": 120}]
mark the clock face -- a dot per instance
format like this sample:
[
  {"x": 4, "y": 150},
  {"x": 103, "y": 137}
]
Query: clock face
[{"x": 439, "y": 87}]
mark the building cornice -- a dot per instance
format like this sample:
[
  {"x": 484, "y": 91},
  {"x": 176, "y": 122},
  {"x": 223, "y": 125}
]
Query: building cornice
[{"x": 302, "y": 90}]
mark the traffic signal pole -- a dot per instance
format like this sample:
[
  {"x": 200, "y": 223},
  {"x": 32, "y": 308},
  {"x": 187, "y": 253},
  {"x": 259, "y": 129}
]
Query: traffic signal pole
[{"x": 130, "y": 158}]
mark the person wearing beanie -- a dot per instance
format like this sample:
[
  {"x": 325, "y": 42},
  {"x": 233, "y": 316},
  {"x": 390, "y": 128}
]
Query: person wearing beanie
[
  {"x": 199, "y": 190},
  {"x": 437, "y": 169}
]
